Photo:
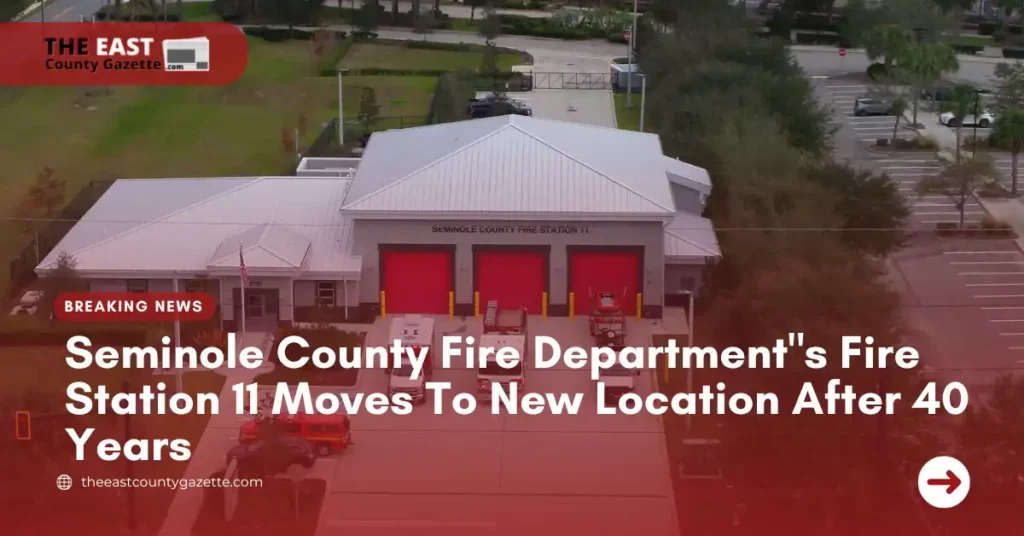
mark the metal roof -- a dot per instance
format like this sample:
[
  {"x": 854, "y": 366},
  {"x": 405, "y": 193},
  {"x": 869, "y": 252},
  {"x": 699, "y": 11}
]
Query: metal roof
[
  {"x": 512, "y": 167},
  {"x": 688, "y": 175},
  {"x": 195, "y": 225},
  {"x": 689, "y": 238}
]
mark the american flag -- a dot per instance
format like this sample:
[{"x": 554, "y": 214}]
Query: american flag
[{"x": 241, "y": 267}]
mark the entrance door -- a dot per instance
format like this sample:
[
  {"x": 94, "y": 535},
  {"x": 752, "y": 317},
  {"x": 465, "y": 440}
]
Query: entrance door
[{"x": 254, "y": 305}]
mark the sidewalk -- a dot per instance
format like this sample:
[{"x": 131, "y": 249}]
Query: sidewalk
[{"x": 208, "y": 454}]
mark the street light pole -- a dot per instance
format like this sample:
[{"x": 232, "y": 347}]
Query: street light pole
[
  {"x": 643, "y": 100},
  {"x": 974, "y": 148},
  {"x": 629, "y": 58},
  {"x": 341, "y": 110}
]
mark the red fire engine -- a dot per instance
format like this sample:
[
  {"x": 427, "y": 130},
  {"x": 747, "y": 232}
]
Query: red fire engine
[{"x": 326, "y": 433}]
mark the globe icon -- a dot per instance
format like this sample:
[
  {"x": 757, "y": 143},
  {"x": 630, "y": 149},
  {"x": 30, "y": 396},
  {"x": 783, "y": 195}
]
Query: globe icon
[{"x": 63, "y": 482}]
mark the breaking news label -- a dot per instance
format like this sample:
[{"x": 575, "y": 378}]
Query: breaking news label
[{"x": 126, "y": 54}]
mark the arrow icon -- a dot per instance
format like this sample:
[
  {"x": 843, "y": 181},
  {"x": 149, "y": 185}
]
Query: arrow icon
[{"x": 952, "y": 482}]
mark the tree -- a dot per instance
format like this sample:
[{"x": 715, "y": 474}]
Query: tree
[
  {"x": 473, "y": 5},
  {"x": 923, "y": 63},
  {"x": 959, "y": 180},
  {"x": 366, "y": 16},
  {"x": 47, "y": 193},
  {"x": 889, "y": 42},
  {"x": 1009, "y": 79},
  {"x": 1009, "y": 131},
  {"x": 424, "y": 24},
  {"x": 61, "y": 277},
  {"x": 864, "y": 201},
  {"x": 962, "y": 102},
  {"x": 369, "y": 110},
  {"x": 490, "y": 27},
  {"x": 990, "y": 439},
  {"x": 296, "y": 12}
]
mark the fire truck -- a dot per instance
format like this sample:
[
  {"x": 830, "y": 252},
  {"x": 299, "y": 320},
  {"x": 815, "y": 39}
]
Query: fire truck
[
  {"x": 607, "y": 321},
  {"x": 326, "y": 433},
  {"x": 416, "y": 332},
  {"x": 502, "y": 328}
]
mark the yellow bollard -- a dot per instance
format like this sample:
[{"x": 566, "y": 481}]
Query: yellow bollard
[
  {"x": 476, "y": 305},
  {"x": 383, "y": 305},
  {"x": 639, "y": 305},
  {"x": 451, "y": 304},
  {"x": 572, "y": 305},
  {"x": 544, "y": 304}
]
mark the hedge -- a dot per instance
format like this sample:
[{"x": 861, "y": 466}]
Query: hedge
[
  {"x": 1015, "y": 53},
  {"x": 803, "y": 38},
  {"x": 275, "y": 35},
  {"x": 987, "y": 28},
  {"x": 107, "y": 14},
  {"x": 967, "y": 49},
  {"x": 520, "y": 25}
]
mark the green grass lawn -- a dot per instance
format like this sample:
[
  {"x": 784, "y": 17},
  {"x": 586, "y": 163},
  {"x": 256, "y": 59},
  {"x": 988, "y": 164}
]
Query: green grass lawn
[
  {"x": 381, "y": 56},
  {"x": 626, "y": 117},
  {"x": 139, "y": 132}
]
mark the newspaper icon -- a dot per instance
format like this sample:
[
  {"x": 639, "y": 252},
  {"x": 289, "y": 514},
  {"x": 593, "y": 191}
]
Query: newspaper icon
[{"x": 187, "y": 54}]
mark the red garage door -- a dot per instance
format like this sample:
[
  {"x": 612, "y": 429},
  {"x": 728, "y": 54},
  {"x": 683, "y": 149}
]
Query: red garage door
[
  {"x": 515, "y": 278},
  {"x": 604, "y": 271},
  {"x": 416, "y": 281}
]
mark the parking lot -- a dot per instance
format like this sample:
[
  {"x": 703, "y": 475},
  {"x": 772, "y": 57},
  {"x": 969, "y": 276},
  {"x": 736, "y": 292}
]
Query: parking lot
[
  {"x": 927, "y": 211},
  {"x": 502, "y": 474},
  {"x": 867, "y": 129}
]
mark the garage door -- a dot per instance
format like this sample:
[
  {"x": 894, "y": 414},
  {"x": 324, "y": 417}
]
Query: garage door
[
  {"x": 604, "y": 271},
  {"x": 416, "y": 281},
  {"x": 515, "y": 278}
]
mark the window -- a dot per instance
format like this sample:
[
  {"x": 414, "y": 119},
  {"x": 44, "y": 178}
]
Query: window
[
  {"x": 687, "y": 284},
  {"x": 137, "y": 285},
  {"x": 195, "y": 285},
  {"x": 325, "y": 293}
]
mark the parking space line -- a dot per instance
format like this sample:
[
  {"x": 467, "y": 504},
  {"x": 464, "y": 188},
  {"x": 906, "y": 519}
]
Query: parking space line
[
  {"x": 424, "y": 523},
  {"x": 1012, "y": 334},
  {"x": 1002, "y": 308},
  {"x": 995, "y": 284},
  {"x": 991, "y": 263},
  {"x": 1006, "y": 321},
  {"x": 989, "y": 273},
  {"x": 996, "y": 296},
  {"x": 978, "y": 252}
]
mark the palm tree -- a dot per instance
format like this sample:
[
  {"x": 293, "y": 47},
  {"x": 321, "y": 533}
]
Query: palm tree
[
  {"x": 962, "y": 102},
  {"x": 1009, "y": 130},
  {"x": 924, "y": 63},
  {"x": 899, "y": 107},
  {"x": 889, "y": 41},
  {"x": 959, "y": 180}
]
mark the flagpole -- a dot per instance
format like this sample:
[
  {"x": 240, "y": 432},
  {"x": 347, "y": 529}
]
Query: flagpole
[{"x": 242, "y": 282}]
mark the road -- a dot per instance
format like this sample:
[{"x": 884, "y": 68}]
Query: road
[{"x": 65, "y": 11}]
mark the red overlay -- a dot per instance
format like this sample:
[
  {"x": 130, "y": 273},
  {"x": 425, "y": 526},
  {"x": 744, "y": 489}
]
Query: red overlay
[
  {"x": 115, "y": 53},
  {"x": 134, "y": 306}
]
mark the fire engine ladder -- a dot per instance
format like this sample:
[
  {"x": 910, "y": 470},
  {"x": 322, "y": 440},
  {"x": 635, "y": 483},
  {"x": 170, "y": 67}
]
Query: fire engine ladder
[{"x": 491, "y": 315}]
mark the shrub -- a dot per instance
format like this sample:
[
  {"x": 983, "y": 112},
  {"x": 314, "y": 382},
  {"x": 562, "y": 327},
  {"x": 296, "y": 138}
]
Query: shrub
[
  {"x": 107, "y": 13},
  {"x": 966, "y": 49},
  {"x": 435, "y": 45},
  {"x": 361, "y": 35},
  {"x": 1015, "y": 53},
  {"x": 987, "y": 28},
  {"x": 807, "y": 38},
  {"x": 877, "y": 71}
]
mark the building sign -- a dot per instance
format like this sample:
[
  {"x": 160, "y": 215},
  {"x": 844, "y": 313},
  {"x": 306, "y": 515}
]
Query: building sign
[
  {"x": 255, "y": 284},
  {"x": 511, "y": 229}
]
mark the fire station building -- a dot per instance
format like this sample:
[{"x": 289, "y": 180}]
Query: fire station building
[{"x": 531, "y": 212}]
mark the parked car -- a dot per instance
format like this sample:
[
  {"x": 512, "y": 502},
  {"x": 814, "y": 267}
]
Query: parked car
[
  {"x": 984, "y": 120},
  {"x": 869, "y": 106},
  {"x": 268, "y": 457},
  {"x": 492, "y": 105}
]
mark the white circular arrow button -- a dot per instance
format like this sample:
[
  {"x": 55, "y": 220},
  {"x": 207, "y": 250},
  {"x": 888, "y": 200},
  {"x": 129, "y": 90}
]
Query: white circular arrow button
[{"x": 944, "y": 482}]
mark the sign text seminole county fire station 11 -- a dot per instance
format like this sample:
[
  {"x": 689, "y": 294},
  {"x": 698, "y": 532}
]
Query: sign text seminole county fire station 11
[{"x": 510, "y": 229}]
